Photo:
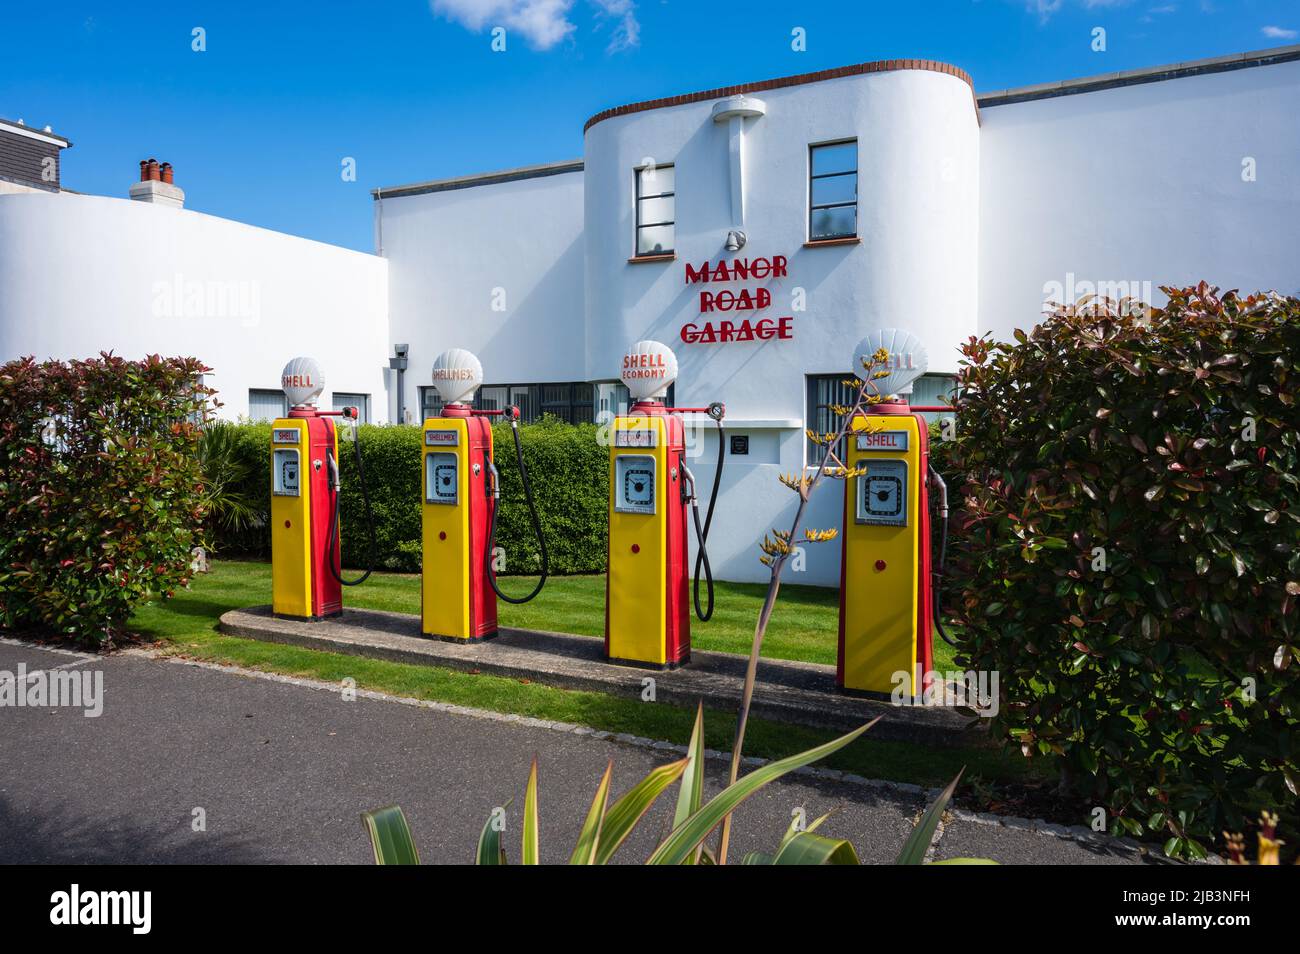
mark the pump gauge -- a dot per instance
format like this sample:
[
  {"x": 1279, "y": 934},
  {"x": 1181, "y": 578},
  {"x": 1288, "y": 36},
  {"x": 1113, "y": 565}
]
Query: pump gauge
[
  {"x": 634, "y": 483},
  {"x": 440, "y": 478},
  {"x": 882, "y": 494},
  {"x": 285, "y": 481}
]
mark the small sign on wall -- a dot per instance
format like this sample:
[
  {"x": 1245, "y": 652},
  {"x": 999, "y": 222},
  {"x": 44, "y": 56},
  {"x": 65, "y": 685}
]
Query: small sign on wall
[{"x": 740, "y": 444}]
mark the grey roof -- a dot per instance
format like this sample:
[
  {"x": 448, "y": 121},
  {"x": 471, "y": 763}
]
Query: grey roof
[
  {"x": 479, "y": 179},
  {"x": 40, "y": 132},
  {"x": 1151, "y": 74}
]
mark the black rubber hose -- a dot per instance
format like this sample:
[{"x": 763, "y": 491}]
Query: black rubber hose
[
  {"x": 702, "y": 554},
  {"x": 936, "y": 575},
  {"x": 537, "y": 527},
  {"x": 337, "y": 571}
]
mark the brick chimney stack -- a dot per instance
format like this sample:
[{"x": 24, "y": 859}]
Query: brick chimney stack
[{"x": 156, "y": 185}]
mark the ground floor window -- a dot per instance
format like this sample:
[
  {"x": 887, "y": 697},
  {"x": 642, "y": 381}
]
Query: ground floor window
[
  {"x": 574, "y": 402},
  {"x": 825, "y": 390},
  {"x": 265, "y": 404},
  {"x": 361, "y": 402}
]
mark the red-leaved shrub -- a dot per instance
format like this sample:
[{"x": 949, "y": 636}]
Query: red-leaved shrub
[
  {"x": 1130, "y": 555},
  {"x": 100, "y": 489}
]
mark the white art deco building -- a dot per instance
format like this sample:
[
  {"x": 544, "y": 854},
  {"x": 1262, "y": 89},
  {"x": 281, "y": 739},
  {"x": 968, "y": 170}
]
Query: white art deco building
[{"x": 760, "y": 230}]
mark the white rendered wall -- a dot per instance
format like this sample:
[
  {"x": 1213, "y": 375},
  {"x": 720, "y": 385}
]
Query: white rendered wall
[
  {"x": 916, "y": 267},
  {"x": 494, "y": 268},
  {"x": 81, "y": 274},
  {"x": 1141, "y": 184}
]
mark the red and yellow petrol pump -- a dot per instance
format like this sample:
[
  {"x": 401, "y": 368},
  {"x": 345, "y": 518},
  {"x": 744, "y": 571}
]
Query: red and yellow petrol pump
[
  {"x": 458, "y": 586},
  {"x": 887, "y": 596},
  {"x": 306, "y": 578},
  {"x": 647, "y": 615}
]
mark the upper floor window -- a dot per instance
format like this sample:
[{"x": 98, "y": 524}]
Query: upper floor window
[
  {"x": 833, "y": 191},
  {"x": 655, "y": 210}
]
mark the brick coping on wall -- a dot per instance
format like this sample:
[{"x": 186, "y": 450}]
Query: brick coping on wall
[{"x": 857, "y": 69}]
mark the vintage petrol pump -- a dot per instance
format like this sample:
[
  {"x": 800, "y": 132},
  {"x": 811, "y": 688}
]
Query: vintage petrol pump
[
  {"x": 647, "y": 619},
  {"x": 458, "y": 586},
  {"x": 887, "y": 588},
  {"x": 306, "y": 578}
]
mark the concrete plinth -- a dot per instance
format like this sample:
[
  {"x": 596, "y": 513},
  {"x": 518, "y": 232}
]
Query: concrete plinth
[{"x": 794, "y": 692}]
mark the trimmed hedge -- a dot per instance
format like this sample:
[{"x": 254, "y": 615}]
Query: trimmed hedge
[
  {"x": 1161, "y": 677},
  {"x": 100, "y": 487},
  {"x": 568, "y": 469}
]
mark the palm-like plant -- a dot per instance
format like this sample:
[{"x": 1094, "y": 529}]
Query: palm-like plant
[
  {"x": 225, "y": 475},
  {"x": 607, "y": 826}
]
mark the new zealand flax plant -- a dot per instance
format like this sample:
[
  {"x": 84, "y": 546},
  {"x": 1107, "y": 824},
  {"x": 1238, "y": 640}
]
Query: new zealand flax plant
[{"x": 607, "y": 826}]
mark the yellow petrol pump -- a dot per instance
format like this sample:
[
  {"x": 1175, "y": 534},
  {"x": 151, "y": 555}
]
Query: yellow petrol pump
[
  {"x": 886, "y": 599},
  {"x": 306, "y": 580},
  {"x": 647, "y": 615},
  {"x": 461, "y": 492}
]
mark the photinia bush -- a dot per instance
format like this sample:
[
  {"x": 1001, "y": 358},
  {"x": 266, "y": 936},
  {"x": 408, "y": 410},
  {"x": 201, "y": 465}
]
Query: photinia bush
[
  {"x": 1129, "y": 553},
  {"x": 100, "y": 488}
]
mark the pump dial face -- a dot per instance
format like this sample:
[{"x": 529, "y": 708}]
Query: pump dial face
[
  {"x": 286, "y": 483},
  {"x": 440, "y": 478},
  {"x": 634, "y": 483},
  {"x": 882, "y": 493}
]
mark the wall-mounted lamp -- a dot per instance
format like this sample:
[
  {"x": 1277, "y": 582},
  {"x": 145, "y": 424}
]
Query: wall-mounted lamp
[{"x": 735, "y": 240}]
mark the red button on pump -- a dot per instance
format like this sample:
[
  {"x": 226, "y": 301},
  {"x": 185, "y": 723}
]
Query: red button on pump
[
  {"x": 286, "y": 525},
  {"x": 636, "y": 548},
  {"x": 442, "y": 534},
  {"x": 880, "y": 565}
]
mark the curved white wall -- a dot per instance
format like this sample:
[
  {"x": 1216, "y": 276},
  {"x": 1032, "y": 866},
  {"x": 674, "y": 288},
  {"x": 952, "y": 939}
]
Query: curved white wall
[
  {"x": 81, "y": 274},
  {"x": 916, "y": 267},
  {"x": 918, "y": 180}
]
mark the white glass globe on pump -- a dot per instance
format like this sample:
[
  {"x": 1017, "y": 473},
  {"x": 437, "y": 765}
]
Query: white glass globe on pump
[
  {"x": 648, "y": 369},
  {"x": 457, "y": 374},
  {"x": 302, "y": 381},
  {"x": 907, "y": 361}
]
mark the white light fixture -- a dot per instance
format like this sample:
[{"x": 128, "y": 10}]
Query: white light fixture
[{"x": 733, "y": 111}]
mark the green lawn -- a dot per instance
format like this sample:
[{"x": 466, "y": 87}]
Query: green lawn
[{"x": 803, "y": 628}]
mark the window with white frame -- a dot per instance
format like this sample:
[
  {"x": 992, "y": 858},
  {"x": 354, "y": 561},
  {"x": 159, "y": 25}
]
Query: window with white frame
[
  {"x": 656, "y": 213},
  {"x": 833, "y": 191},
  {"x": 265, "y": 404}
]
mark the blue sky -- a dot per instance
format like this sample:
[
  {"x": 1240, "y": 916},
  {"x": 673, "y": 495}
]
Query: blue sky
[{"x": 259, "y": 123}]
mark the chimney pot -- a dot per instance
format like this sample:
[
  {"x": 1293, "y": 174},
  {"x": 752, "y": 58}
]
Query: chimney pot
[{"x": 156, "y": 185}]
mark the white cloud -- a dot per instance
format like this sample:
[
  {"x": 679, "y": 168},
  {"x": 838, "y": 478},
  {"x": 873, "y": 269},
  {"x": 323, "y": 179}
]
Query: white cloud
[
  {"x": 1279, "y": 33},
  {"x": 542, "y": 23},
  {"x": 627, "y": 31}
]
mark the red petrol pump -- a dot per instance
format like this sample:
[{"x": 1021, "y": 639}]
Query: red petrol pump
[
  {"x": 306, "y": 576},
  {"x": 647, "y": 615},
  {"x": 461, "y": 495},
  {"x": 888, "y": 584}
]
